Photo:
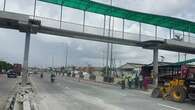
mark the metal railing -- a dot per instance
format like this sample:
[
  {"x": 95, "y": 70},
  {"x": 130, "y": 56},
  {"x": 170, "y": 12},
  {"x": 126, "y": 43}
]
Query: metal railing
[
  {"x": 93, "y": 30},
  {"x": 99, "y": 30}
]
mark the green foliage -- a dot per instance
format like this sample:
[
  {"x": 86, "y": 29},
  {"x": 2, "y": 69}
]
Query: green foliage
[{"x": 5, "y": 65}]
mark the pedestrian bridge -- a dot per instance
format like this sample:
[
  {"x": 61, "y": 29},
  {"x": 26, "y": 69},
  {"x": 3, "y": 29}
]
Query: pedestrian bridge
[
  {"x": 67, "y": 29},
  {"x": 35, "y": 24}
]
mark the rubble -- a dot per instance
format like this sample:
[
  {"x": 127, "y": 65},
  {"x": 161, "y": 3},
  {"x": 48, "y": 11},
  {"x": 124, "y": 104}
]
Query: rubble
[{"x": 23, "y": 98}]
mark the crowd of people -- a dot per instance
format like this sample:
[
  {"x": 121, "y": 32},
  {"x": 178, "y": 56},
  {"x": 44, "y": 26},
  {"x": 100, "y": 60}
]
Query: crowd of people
[
  {"x": 137, "y": 82},
  {"x": 127, "y": 81}
]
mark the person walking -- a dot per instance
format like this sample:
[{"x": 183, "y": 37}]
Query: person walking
[{"x": 140, "y": 81}]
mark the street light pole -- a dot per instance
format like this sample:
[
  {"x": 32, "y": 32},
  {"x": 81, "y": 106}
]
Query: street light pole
[
  {"x": 4, "y": 5},
  {"x": 34, "y": 12},
  {"x": 66, "y": 56},
  {"x": 108, "y": 46},
  {"x": 52, "y": 61},
  {"x": 61, "y": 14}
]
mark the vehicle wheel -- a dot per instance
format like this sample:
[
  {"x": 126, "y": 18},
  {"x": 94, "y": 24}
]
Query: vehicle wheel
[
  {"x": 178, "y": 94},
  {"x": 156, "y": 93}
]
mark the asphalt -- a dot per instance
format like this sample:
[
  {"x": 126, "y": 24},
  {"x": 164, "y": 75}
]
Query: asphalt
[
  {"x": 6, "y": 88},
  {"x": 69, "y": 94}
]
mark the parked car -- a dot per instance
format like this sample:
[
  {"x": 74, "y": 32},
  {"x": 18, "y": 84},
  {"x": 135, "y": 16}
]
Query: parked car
[
  {"x": 11, "y": 74},
  {"x": 86, "y": 75}
]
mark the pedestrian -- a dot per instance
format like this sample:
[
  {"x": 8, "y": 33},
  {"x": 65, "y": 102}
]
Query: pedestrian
[
  {"x": 136, "y": 81},
  {"x": 129, "y": 80},
  {"x": 41, "y": 75},
  {"x": 145, "y": 83},
  {"x": 122, "y": 81},
  {"x": 140, "y": 81}
]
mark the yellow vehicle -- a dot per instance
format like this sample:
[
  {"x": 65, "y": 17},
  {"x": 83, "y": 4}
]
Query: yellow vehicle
[{"x": 176, "y": 90}]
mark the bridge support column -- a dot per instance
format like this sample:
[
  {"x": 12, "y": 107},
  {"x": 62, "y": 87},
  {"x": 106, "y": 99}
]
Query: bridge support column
[
  {"x": 25, "y": 60},
  {"x": 155, "y": 66}
]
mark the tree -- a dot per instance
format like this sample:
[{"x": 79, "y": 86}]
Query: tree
[{"x": 5, "y": 65}]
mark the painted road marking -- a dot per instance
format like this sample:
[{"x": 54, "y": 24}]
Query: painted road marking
[{"x": 167, "y": 106}]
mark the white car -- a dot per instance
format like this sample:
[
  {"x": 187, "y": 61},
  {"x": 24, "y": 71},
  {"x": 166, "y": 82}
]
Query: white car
[{"x": 86, "y": 75}]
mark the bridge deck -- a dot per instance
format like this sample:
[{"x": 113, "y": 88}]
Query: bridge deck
[{"x": 95, "y": 34}]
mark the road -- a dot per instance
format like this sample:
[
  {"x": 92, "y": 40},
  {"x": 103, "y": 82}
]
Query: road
[
  {"x": 6, "y": 88},
  {"x": 68, "y": 94}
]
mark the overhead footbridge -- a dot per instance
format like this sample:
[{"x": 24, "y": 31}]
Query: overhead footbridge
[
  {"x": 25, "y": 23},
  {"x": 35, "y": 24}
]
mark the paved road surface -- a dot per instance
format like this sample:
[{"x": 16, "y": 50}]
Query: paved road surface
[
  {"x": 6, "y": 87},
  {"x": 67, "y": 94}
]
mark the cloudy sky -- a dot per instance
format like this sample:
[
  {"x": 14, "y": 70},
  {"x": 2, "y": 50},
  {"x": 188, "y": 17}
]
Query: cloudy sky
[{"x": 44, "y": 48}]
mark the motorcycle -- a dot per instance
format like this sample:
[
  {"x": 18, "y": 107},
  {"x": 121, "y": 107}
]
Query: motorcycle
[
  {"x": 52, "y": 78},
  {"x": 41, "y": 75}
]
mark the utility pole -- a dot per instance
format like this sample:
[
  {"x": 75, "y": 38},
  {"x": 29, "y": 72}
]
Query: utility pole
[
  {"x": 103, "y": 58},
  {"x": 34, "y": 12},
  {"x": 108, "y": 45},
  {"x": 61, "y": 14},
  {"x": 4, "y": 5},
  {"x": 52, "y": 61},
  {"x": 111, "y": 49},
  {"x": 66, "y": 56}
]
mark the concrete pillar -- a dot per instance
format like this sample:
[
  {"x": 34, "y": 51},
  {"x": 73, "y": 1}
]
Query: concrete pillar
[
  {"x": 25, "y": 60},
  {"x": 155, "y": 65}
]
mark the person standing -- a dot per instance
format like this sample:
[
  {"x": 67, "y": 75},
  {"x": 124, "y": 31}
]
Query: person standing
[
  {"x": 145, "y": 83},
  {"x": 122, "y": 81},
  {"x": 129, "y": 80},
  {"x": 140, "y": 81},
  {"x": 136, "y": 81}
]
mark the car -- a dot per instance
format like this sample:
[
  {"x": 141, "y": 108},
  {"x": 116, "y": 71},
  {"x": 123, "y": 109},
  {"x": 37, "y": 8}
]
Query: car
[
  {"x": 86, "y": 75},
  {"x": 11, "y": 74}
]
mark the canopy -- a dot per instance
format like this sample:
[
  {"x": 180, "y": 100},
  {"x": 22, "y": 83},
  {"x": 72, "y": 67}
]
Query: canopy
[
  {"x": 99, "y": 8},
  {"x": 185, "y": 62}
]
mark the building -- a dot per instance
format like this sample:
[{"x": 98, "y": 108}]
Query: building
[
  {"x": 147, "y": 70},
  {"x": 130, "y": 68},
  {"x": 167, "y": 71}
]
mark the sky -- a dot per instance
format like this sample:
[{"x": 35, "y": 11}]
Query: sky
[{"x": 45, "y": 49}]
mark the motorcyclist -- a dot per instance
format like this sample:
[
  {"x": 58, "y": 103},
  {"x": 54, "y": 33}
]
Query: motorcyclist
[
  {"x": 53, "y": 77},
  {"x": 41, "y": 75}
]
